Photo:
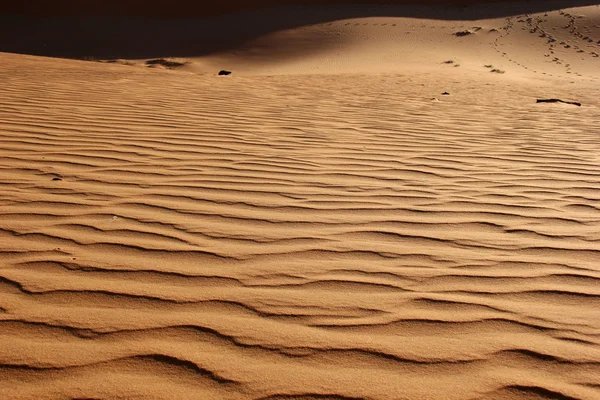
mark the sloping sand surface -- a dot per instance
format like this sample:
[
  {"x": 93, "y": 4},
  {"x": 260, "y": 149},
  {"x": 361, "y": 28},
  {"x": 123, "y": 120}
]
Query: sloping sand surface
[{"x": 321, "y": 224}]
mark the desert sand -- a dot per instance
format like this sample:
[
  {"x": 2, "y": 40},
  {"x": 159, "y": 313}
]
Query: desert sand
[{"x": 323, "y": 223}]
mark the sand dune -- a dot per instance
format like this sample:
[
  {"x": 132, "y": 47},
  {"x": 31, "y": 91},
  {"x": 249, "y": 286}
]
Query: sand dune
[
  {"x": 286, "y": 28},
  {"x": 178, "y": 8},
  {"x": 321, "y": 224}
]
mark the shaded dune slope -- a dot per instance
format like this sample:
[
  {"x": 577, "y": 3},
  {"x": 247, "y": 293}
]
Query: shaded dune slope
[
  {"x": 149, "y": 31},
  {"x": 178, "y": 8},
  {"x": 169, "y": 236}
]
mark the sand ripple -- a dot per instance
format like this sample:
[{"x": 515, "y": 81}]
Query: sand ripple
[{"x": 293, "y": 237}]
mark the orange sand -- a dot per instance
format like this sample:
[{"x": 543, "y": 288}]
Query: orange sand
[{"x": 321, "y": 224}]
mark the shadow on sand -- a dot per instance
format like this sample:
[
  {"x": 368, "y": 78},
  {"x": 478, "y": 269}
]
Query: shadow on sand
[{"x": 135, "y": 37}]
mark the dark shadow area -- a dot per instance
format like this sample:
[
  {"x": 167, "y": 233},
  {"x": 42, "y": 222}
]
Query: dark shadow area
[
  {"x": 141, "y": 37},
  {"x": 195, "y": 8}
]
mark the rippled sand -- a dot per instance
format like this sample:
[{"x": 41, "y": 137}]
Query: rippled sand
[{"x": 287, "y": 234}]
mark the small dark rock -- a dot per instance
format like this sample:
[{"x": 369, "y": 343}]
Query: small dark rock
[
  {"x": 57, "y": 179},
  {"x": 165, "y": 63},
  {"x": 463, "y": 33},
  {"x": 445, "y": 94},
  {"x": 224, "y": 72},
  {"x": 574, "y": 103}
]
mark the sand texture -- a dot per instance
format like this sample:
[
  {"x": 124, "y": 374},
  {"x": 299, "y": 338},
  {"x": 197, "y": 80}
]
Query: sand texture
[{"x": 321, "y": 224}]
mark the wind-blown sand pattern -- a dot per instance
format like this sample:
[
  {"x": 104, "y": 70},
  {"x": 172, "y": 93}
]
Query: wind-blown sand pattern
[{"x": 287, "y": 234}]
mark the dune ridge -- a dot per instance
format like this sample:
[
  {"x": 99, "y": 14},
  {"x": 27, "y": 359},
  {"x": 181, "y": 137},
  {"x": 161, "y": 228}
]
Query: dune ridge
[{"x": 294, "y": 233}]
